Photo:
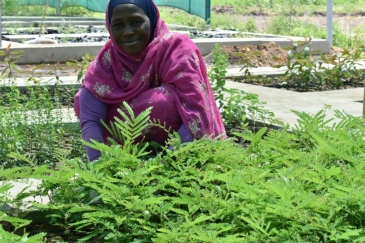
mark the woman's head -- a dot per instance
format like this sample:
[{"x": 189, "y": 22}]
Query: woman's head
[{"x": 132, "y": 24}]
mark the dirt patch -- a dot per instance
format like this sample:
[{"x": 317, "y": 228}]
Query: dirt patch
[
  {"x": 258, "y": 55},
  {"x": 222, "y": 9},
  {"x": 42, "y": 70},
  {"x": 262, "y": 55}
]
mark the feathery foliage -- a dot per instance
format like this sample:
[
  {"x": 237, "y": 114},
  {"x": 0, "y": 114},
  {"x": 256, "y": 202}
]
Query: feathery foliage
[{"x": 306, "y": 185}]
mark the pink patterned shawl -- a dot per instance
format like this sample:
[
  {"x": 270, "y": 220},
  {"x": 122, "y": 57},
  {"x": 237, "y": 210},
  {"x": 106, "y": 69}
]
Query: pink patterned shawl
[{"x": 171, "y": 61}]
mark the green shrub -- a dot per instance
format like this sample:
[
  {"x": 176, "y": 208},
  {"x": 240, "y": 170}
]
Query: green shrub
[
  {"x": 9, "y": 7},
  {"x": 250, "y": 25},
  {"x": 236, "y": 106},
  {"x": 15, "y": 223},
  {"x": 301, "y": 186},
  {"x": 33, "y": 123},
  {"x": 286, "y": 25},
  {"x": 36, "y": 120},
  {"x": 75, "y": 11}
]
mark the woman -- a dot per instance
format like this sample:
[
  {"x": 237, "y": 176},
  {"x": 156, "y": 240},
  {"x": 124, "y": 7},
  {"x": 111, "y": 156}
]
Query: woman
[{"x": 146, "y": 65}]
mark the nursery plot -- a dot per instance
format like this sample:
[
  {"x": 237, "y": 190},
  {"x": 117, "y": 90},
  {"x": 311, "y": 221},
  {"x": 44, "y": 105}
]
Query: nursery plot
[
  {"x": 268, "y": 54},
  {"x": 304, "y": 72},
  {"x": 91, "y": 36}
]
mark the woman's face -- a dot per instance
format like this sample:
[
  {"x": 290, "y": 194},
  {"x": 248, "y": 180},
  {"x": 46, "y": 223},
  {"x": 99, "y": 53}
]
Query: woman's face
[{"x": 130, "y": 28}]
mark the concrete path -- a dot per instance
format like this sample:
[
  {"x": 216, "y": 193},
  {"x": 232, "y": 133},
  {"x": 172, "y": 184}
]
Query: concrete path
[
  {"x": 279, "y": 101},
  {"x": 23, "y": 185}
]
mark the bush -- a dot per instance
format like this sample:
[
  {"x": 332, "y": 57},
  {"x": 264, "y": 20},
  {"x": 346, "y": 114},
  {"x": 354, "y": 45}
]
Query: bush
[
  {"x": 9, "y": 7},
  {"x": 75, "y": 11},
  {"x": 301, "y": 186}
]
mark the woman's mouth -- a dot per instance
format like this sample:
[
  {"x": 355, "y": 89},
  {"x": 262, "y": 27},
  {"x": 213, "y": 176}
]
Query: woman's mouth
[{"x": 132, "y": 43}]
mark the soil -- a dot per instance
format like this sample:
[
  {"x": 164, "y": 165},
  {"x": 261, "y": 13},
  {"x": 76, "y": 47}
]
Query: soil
[
  {"x": 236, "y": 55},
  {"x": 262, "y": 55}
]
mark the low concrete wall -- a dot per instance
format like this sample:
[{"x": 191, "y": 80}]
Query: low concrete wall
[
  {"x": 48, "y": 53},
  {"x": 206, "y": 46}
]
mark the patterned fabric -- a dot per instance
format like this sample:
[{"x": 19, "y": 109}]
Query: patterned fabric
[{"x": 173, "y": 64}]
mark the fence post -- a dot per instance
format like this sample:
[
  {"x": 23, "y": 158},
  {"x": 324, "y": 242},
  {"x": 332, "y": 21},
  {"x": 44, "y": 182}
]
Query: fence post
[
  {"x": 1, "y": 25},
  {"x": 329, "y": 24},
  {"x": 363, "y": 104},
  {"x": 58, "y": 7},
  {"x": 207, "y": 11}
]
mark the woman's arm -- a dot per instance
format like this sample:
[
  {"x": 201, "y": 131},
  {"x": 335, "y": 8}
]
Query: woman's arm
[
  {"x": 185, "y": 134},
  {"x": 92, "y": 111}
]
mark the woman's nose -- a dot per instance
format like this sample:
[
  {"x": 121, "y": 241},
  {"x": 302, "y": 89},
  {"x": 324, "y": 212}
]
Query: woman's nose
[{"x": 128, "y": 30}]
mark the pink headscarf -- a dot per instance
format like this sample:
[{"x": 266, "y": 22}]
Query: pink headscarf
[{"x": 170, "y": 60}]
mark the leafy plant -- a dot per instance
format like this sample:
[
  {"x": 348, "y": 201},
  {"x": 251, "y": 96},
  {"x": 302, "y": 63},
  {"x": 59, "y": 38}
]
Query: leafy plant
[
  {"x": 301, "y": 70},
  {"x": 250, "y": 25},
  {"x": 241, "y": 107},
  {"x": 343, "y": 67},
  {"x": 236, "y": 106},
  {"x": 81, "y": 66},
  {"x": 300, "y": 186},
  {"x": 247, "y": 59},
  {"x": 217, "y": 75},
  {"x": 32, "y": 118},
  {"x": 10, "y": 58},
  {"x": 16, "y": 223}
]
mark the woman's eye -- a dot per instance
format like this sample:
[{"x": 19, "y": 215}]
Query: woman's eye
[
  {"x": 116, "y": 25},
  {"x": 137, "y": 22}
]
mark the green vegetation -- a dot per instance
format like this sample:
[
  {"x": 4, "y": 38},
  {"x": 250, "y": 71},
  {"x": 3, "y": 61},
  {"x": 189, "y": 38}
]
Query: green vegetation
[
  {"x": 301, "y": 186},
  {"x": 326, "y": 72},
  {"x": 236, "y": 106},
  {"x": 13, "y": 8},
  {"x": 300, "y": 6},
  {"x": 32, "y": 117},
  {"x": 274, "y": 185}
]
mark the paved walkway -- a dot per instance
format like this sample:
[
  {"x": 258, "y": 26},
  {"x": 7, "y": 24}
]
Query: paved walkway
[{"x": 279, "y": 101}]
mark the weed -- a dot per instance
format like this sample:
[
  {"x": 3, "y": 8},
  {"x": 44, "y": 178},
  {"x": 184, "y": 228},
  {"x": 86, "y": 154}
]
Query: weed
[
  {"x": 247, "y": 58},
  {"x": 250, "y": 25}
]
